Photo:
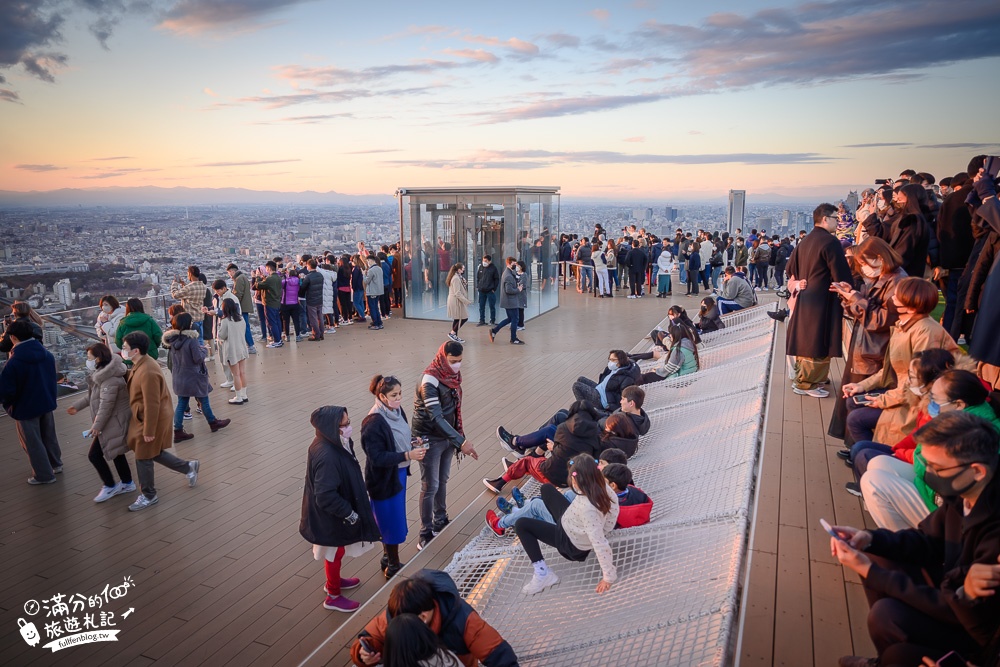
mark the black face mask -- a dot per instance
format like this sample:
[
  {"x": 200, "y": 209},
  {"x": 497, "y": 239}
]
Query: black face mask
[{"x": 946, "y": 486}]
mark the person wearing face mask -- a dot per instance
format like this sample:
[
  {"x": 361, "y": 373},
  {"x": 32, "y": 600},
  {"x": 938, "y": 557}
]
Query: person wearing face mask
[
  {"x": 458, "y": 300},
  {"x": 437, "y": 417},
  {"x": 337, "y": 516},
  {"x": 524, "y": 283},
  {"x": 487, "y": 282},
  {"x": 814, "y": 327},
  {"x": 28, "y": 394},
  {"x": 904, "y": 227},
  {"x": 107, "y": 396},
  {"x": 873, "y": 312},
  {"x": 389, "y": 447},
  {"x": 108, "y": 319},
  {"x": 895, "y": 490},
  {"x": 887, "y": 417},
  {"x": 150, "y": 432},
  {"x": 619, "y": 372},
  {"x": 510, "y": 288},
  {"x": 925, "y": 368},
  {"x": 136, "y": 319},
  {"x": 917, "y": 580}
]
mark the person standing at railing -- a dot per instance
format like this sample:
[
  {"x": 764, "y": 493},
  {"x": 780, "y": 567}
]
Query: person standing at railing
[
  {"x": 108, "y": 320},
  {"x": 107, "y": 397},
  {"x": 191, "y": 293},
  {"x": 233, "y": 349},
  {"x": 137, "y": 320},
  {"x": 21, "y": 312},
  {"x": 611, "y": 259},
  {"x": 241, "y": 288},
  {"x": 585, "y": 258},
  {"x": 28, "y": 394}
]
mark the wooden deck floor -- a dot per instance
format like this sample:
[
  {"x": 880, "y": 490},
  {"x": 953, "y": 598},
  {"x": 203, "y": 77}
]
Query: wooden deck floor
[
  {"x": 223, "y": 578},
  {"x": 801, "y": 607}
]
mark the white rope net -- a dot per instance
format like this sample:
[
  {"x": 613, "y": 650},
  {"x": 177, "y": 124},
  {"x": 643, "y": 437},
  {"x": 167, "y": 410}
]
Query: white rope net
[{"x": 676, "y": 599}]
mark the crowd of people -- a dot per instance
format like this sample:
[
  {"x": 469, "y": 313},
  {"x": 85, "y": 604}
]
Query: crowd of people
[{"x": 909, "y": 282}]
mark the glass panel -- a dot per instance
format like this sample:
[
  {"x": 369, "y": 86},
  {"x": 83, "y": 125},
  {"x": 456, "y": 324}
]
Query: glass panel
[{"x": 549, "y": 251}]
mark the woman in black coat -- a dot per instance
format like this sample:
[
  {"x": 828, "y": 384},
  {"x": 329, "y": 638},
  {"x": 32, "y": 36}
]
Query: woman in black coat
[
  {"x": 389, "y": 448},
  {"x": 337, "y": 516},
  {"x": 624, "y": 373}
]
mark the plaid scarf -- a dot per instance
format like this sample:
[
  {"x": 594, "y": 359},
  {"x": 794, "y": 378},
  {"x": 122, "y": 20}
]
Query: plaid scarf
[{"x": 441, "y": 369}]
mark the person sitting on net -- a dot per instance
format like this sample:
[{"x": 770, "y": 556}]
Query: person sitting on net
[
  {"x": 579, "y": 434},
  {"x": 709, "y": 319},
  {"x": 410, "y": 643},
  {"x": 433, "y": 597},
  {"x": 534, "y": 443},
  {"x": 618, "y": 432},
  {"x": 606, "y": 392},
  {"x": 680, "y": 359},
  {"x": 638, "y": 503},
  {"x": 580, "y": 526}
]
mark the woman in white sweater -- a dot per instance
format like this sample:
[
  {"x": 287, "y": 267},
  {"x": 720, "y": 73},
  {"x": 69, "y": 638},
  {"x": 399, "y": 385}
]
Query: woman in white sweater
[{"x": 581, "y": 526}]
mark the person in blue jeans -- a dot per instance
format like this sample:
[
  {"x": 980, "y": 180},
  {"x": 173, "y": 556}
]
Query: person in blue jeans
[{"x": 510, "y": 289}]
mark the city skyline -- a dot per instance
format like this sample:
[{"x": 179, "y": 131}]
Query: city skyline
[{"x": 637, "y": 100}]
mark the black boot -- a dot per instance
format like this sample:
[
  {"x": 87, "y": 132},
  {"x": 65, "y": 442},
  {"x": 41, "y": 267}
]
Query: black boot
[
  {"x": 394, "y": 565},
  {"x": 384, "y": 562}
]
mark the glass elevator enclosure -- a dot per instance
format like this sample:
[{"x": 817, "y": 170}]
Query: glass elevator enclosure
[{"x": 442, "y": 226}]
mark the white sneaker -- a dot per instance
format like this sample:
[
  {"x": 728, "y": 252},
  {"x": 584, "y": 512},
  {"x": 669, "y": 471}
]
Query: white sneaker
[
  {"x": 142, "y": 502},
  {"x": 127, "y": 488},
  {"x": 226, "y": 385},
  {"x": 539, "y": 584},
  {"x": 818, "y": 392},
  {"x": 192, "y": 475},
  {"x": 108, "y": 492}
]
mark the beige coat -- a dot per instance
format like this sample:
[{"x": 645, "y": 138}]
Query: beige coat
[
  {"x": 458, "y": 299},
  {"x": 152, "y": 409},
  {"x": 899, "y": 413},
  {"x": 232, "y": 341},
  {"x": 107, "y": 396}
]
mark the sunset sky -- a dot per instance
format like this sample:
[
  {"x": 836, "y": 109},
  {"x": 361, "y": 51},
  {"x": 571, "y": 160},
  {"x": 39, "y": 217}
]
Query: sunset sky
[{"x": 628, "y": 99}]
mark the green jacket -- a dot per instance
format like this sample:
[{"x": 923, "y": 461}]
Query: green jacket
[
  {"x": 144, "y": 323},
  {"x": 271, "y": 287},
  {"x": 984, "y": 410}
]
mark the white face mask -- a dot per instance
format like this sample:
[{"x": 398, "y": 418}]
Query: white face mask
[
  {"x": 486, "y": 263},
  {"x": 455, "y": 366},
  {"x": 126, "y": 355},
  {"x": 91, "y": 364},
  {"x": 612, "y": 365},
  {"x": 346, "y": 431},
  {"x": 880, "y": 204},
  {"x": 107, "y": 308},
  {"x": 871, "y": 271},
  {"x": 917, "y": 391}
]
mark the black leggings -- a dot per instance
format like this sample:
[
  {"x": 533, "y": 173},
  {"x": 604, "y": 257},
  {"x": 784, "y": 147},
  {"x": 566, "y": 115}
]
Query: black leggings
[
  {"x": 533, "y": 531},
  {"x": 96, "y": 457},
  {"x": 346, "y": 305},
  {"x": 457, "y": 324}
]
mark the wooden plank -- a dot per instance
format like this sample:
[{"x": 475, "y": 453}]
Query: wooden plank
[
  {"x": 793, "y": 645},
  {"x": 759, "y": 622}
]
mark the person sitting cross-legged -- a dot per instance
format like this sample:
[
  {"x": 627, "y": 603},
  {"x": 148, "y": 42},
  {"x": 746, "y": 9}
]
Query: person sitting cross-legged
[{"x": 916, "y": 579}]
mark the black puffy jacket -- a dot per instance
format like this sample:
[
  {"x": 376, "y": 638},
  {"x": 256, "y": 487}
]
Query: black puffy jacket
[
  {"x": 434, "y": 412},
  {"x": 625, "y": 377},
  {"x": 577, "y": 435},
  {"x": 334, "y": 488},
  {"x": 311, "y": 286}
]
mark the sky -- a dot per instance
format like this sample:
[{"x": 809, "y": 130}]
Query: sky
[{"x": 637, "y": 99}]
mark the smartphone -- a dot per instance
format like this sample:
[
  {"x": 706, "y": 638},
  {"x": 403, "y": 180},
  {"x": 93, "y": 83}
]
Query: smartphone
[
  {"x": 864, "y": 401},
  {"x": 367, "y": 646},
  {"x": 828, "y": 528},
  {"x": 951, "y": 660}
]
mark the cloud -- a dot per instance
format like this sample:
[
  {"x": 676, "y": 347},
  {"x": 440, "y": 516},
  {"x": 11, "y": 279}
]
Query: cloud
[
  {"x": 601, "y": 15},
  {"x": 8, "y": 95},
  {"x": 109, "y": 159},
  {"x": 208, "y": 91},
  {"x": 375, "y": 150},
  {"x": 514, "y": 45},
  {"x": 634, "y": 140},
  {"x": 478, "y": 55},
  {"x": 540, "y": 159},
  {"x": 115, "y": 173},
  {"x": 417, "y": 30},
  {"x": 562, "y": 40},
  {"x": 307, "y": 96},
  {"x": 308, "y": 120},
  {"x": 878, "y": 145},
  {"x": 819, "y": 42},
  {"x": 197, "y": 17},
  {"x": 552, "y": 108},
  {"x": 974, "y": 146},
  {"x": 619, "y": 65},
  {"x": 38, "y": 168},
  {"x": 248, "y": 163},
  {"x": 335, "y": 76}
]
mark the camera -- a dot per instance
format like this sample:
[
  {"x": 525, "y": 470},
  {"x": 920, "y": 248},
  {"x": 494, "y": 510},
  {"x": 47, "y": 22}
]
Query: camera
[{"x": 882, "y": 181}]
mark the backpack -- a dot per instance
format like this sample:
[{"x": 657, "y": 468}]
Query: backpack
[{"x": 763, "y": 253}]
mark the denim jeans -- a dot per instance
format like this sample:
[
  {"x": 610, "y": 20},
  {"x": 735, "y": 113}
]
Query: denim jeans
[
  {"x": 374, "y": 311},
  {"x": 613, "y": 275},
  {"x": 262, "y": 318},
  {"x": 184, "y": 404},
  {"x": 716, "y": 272},
  {"x": 491, "y": 299},
  {"x": 537, "y": 438},
  {"x": 586, "y": 278},
  {"x": 533, "y": 509},
  {"x": 200, "y": 328},
  {"x": 248, "y": 333},
  {"x": 274, "y": 323},
  {"x": 358, "y": 297},
  {"x": 951, "y": 297},
  {"x": 513, "y": 317},
  {"x": 434, "y": 472},
  {"x": 861, "y": 422},
  {"x": 682, "y": 272}
]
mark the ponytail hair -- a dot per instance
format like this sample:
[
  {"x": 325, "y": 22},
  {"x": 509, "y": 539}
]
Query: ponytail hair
[
  {"x": 382, "y": 385},
  {"x": 590, "y": 482}
]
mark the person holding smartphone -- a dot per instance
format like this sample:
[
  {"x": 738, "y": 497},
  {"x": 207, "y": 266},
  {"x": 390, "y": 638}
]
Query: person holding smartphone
[
  {"x": 389, "y": 447},
  {"x": 924, "y": 603}
]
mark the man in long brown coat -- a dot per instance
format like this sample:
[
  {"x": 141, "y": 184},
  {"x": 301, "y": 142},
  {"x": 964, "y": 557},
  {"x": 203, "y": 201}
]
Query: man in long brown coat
[
  {"x": 814, "y": 330},
  {"x": 150, "y": 433}
]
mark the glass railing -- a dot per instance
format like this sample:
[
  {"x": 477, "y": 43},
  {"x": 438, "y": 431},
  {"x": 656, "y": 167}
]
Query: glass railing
[{"x": 68, "y": 333}]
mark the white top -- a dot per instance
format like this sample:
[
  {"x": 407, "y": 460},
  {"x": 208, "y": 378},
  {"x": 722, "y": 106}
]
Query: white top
[{"x": 588, "y": 529}]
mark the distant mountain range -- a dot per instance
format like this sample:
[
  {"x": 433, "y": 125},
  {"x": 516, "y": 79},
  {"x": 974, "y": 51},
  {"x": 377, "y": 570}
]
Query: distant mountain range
[{"x": 180, "y": 196}]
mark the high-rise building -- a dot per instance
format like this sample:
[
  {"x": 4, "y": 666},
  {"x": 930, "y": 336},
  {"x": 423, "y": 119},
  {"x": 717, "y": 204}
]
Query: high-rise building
[
  {"x": 670, "y": 213},
  {"x": 63, "y": 292},
  {"x": 786, "y": 219},
  {"x": 852, "y": 201},
  {"x": 737, "y": 206}
]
